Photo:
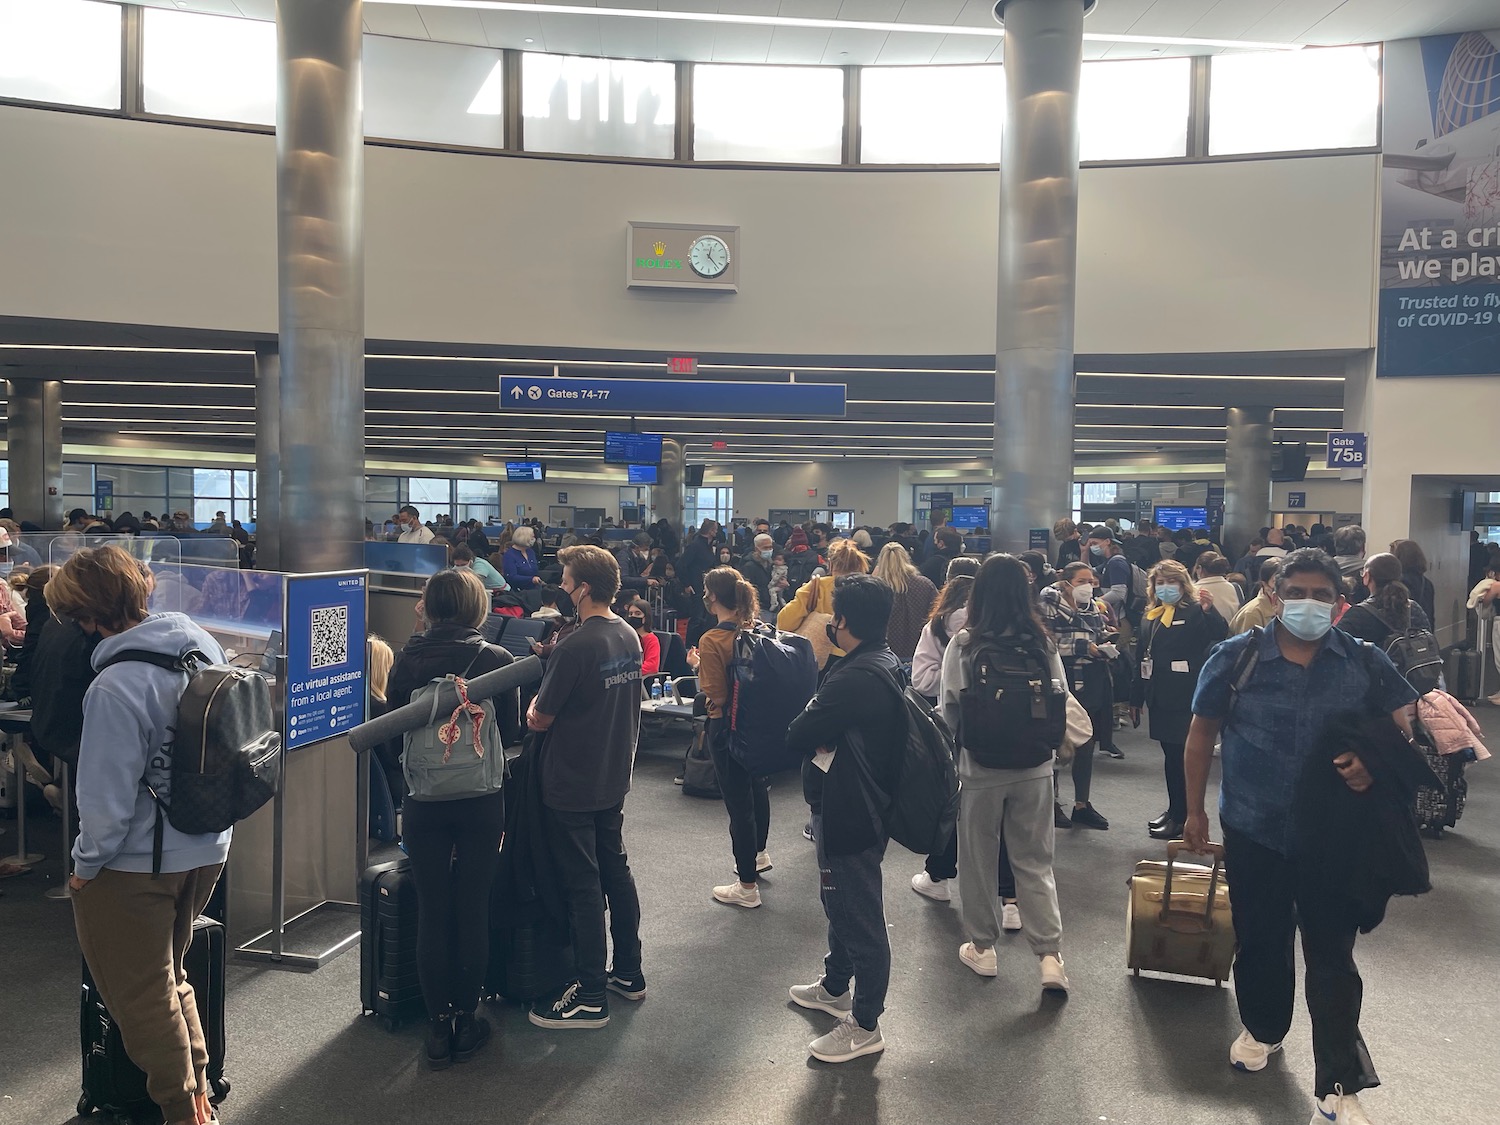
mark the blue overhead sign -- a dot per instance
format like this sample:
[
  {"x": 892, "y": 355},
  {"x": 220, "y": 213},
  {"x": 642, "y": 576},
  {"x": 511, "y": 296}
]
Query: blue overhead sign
[
  {"x": 1296, "y": 499},
  {"x": 1346, "y": 451},
  {"x": 539, "y": 394}
]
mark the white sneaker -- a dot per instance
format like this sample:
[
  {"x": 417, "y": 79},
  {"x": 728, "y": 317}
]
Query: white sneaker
[
  {"x": 1495, "y": 699},
  {"x": 1249, "y": 1053},
  {"x": 1010, "y": 916},
  {"x": 846, "y": 1041},
  {"x": 1340, "y": 1109},
  {"x": 737, "y": 894},
  {"x": 819, "y": 999},
  {"x": 984, "y": 963},
  {"x": 928, "y": 887},
  {"x": 1053, "y": 977},
  {"x": 762, "y": 864}
]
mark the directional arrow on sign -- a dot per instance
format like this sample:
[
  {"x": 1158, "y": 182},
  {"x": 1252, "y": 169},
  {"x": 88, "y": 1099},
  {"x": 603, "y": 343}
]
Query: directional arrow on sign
[{"x": 515, "y": 392}]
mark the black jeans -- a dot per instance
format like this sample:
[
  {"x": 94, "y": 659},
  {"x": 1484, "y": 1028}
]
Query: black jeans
[
  {"x": 747, "y": 798},
  {"x": 1172, "y": 759},
  {"x": 944, "y": 865},
  {"x": 589, "y": 851},
  {"x": 1270, "y": 902},
  {"x": 1090, "y": 683},
  {"x": 859, "y": 945},
  {"x": 454, "y": 848}
]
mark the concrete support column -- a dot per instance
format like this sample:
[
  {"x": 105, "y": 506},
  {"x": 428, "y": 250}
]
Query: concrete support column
[
  {"x": 669, "y": 493},
  {"x": 1247, "y": 476},
  {"x": 1034, "y": 377},
  {"x": 320, "y": 228},
  {"x": 267, "y": 457},
  {"x": 34, "y": 441}
]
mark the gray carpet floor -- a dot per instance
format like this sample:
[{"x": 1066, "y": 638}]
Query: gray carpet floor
[{"x": 717, "y": 1040}]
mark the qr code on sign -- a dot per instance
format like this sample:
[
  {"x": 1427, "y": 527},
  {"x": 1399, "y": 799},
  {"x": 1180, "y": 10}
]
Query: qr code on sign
[{"x": 330, "y": 636}]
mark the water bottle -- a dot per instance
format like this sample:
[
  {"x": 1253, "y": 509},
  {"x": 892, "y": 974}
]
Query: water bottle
[{"x": 656, "y": 691}]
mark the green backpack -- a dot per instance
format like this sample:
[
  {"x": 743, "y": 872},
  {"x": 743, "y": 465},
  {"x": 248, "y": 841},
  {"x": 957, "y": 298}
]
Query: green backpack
[{"x": 455, "y": 755}]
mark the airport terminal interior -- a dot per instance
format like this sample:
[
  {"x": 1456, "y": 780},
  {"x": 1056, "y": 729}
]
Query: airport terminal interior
[{"x": 275, "y": 272}]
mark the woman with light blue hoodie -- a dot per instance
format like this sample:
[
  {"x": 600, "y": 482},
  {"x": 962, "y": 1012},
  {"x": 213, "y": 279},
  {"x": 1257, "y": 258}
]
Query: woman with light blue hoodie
[{"x": 135, "y": 927}]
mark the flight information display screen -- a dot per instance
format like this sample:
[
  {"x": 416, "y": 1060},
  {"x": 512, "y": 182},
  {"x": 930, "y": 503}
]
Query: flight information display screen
[
  {"x": 631, "y": 449},
  {"x": 1175, "y": 519}
]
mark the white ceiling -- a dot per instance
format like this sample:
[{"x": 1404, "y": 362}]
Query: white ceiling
[{"x": 1311, "y": 22}]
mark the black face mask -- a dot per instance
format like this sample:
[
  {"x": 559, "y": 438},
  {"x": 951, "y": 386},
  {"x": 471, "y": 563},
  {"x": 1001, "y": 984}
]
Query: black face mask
[
  {"x": 833, "y": 634},
  {"x": 636, "y": 621}
]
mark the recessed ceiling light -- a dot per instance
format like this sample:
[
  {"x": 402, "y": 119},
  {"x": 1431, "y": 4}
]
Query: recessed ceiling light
[{"x": 531, "y": 40}]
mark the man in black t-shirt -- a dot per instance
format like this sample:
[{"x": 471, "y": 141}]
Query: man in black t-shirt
[{"x": 589, "y": 704}]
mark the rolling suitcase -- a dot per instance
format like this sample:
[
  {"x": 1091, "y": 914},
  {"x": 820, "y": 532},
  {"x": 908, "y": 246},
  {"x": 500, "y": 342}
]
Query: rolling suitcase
[
  {"x": 389, "y": 987},
  {"x": 114, "y": 1084},
  {"x": 527, "y": 959},
  {"x": 1462, "y": 668},
  {"x": 1178, "y": 920}
]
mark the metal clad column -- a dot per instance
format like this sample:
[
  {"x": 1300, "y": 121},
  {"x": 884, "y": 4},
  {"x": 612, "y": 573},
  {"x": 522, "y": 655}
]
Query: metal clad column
[
  {"x": 34, "y": 440},
  {"x": 320, "y": 201},
  {"x": 1034, "y": 378},
  {"x": 267, "y": 457},
  {"x": 1247, "y": 476},
  {"x": 668, "y": 494}
]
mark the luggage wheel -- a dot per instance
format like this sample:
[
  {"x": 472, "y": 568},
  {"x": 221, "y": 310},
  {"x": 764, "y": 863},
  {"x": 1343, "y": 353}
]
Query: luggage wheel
[
  {"x": 220, "y": 1088},
  {"x": 85, "y": 1107}
]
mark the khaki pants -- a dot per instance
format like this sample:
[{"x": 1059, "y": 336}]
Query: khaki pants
[{"x": 135, "y": 929}]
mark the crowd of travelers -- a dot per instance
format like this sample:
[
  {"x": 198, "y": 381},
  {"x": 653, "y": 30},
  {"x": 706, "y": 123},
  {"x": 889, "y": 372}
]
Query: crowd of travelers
[{"x": 1256, "y": 661}]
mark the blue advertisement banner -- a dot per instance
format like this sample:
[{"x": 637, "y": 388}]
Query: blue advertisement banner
[
  {"x": 325, "y": 655},
  {"x": 1440, "y": 207}
]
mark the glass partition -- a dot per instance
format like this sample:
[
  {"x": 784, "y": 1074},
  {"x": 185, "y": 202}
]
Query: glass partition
[
  {"x": 1321, "y": 97},
  {"x": 1134, "y": 109},
  {"x": 213, "y": 67},
  {"x": 931, "y": 114},
  {"x": 445, "y": 93},
  {"x": 63, "y": 51},
  {"x": 421, "y": 559},
  {"x": 787, "y": 114},
  {"x": 598, "y": 107}
]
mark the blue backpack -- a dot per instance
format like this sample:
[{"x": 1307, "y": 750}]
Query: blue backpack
[{"x": 772, "y": 676}]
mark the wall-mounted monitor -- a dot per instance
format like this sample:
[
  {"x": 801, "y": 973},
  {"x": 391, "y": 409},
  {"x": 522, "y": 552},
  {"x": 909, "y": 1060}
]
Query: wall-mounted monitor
[
  {"x": 1289, "y": 462},
  {"x": 692, "y": 476},
  {"x": 1175, "y": 519},
  {"x": 622, "y": 448},
  {"x": 970, "y": 518},
  {"x": 642, "y": 474},
  {"x": 533, "y": 471}
]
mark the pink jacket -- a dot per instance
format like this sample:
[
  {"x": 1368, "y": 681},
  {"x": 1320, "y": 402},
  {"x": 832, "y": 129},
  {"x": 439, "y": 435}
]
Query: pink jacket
[{"x": 1448, "y": 721}]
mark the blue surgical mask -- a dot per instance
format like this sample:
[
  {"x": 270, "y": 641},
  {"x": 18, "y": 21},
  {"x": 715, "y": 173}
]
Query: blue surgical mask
[
  {"x": 1097, "y": 552},
  {"x": 1168, "y": 595},
  {"x": 1307, "y": 619},
  {"x": 765, "y": 555}
]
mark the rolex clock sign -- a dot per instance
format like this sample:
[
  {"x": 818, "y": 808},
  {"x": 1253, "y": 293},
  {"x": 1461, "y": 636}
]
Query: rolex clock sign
[{"x": 682, "y": 256}]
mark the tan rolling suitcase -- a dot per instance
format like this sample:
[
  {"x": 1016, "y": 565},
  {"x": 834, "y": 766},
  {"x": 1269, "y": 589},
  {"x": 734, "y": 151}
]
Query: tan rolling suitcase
[{"x": 1178, "y": 917}]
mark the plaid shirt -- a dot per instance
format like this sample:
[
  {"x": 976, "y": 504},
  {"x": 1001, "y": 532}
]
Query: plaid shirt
[{"x": 1073, "y": 628}]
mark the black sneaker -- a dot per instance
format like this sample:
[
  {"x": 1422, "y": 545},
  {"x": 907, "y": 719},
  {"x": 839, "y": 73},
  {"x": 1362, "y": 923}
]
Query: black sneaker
[
  {"x": 807, "y": 832},
  {"x": 632, "y": 987},
  {"x": 569, "y": 1008},
  {"x": 1060, "y": 818},
  {"x": 1115, "y": 752},
  {"x": 1088, "y": 817},
  {"x": 440, "y": 1042},
  {"x": 469, "y": 1035}
]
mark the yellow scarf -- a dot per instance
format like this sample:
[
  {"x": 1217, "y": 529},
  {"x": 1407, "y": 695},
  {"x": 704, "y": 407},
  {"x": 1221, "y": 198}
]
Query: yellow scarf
[{"x": 1163, "y": 613}]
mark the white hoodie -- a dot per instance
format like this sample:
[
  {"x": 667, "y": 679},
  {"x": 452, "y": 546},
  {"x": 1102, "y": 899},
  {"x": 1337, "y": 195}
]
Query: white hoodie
[{"x": 927, "y": 661}]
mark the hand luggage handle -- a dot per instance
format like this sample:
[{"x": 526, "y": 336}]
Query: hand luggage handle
[{"x": 1175, "y": 848}]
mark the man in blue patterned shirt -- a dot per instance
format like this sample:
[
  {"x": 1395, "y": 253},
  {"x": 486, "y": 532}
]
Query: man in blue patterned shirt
[{"x": 1271, "y": 692}]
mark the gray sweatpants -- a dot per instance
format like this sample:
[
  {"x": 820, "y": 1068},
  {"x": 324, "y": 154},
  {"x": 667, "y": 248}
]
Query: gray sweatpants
[{"x": 1023, "y": 812}]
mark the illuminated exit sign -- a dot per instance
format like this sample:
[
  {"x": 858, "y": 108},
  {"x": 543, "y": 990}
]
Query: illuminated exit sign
[{"x": 682, "y": 365}]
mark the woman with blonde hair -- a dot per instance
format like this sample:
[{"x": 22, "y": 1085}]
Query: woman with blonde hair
[
  {"x": 1180, "y": 628},
  {"x": 812, "y": 608},
  {"x": 519, "y": 564},
  {"x": 913, "y": 601},
  {"x": 388, "y": 754}
]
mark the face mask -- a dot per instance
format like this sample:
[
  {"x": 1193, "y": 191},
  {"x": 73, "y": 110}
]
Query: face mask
[
  {"x": 636, "y": 620},
  {"x": 1083, "y": 595},
  {"x": 833, "y": 634},
  {"x": 1168, "y": 595},
  {"x": 765, "y": 554},
  {"x": 1097, "y": 552},
  {"x": 1306, "y": 619}
]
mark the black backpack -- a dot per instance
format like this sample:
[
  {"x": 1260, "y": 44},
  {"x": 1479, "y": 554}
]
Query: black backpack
[
  {"x": 1415, "y": 653},
  {"x": 226, "y": 751},
  {"x": 1010, "y": 716}
]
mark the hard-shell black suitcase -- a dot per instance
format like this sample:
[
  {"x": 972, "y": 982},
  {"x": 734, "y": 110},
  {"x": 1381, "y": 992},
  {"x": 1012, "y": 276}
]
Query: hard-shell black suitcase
[
  {"x": 1461, "y": 671},
  {"x": 388, "y": 983},
  {"x": 114, "y": 1084},
  {"x": 527, "y": 958}
]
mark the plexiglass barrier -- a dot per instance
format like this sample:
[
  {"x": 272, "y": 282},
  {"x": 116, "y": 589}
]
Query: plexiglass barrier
[{"x": 420, "y": 559}]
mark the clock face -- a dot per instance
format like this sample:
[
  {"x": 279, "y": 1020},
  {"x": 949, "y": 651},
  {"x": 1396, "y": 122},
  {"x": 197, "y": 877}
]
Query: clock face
[{"x": 709, "y": 256}]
